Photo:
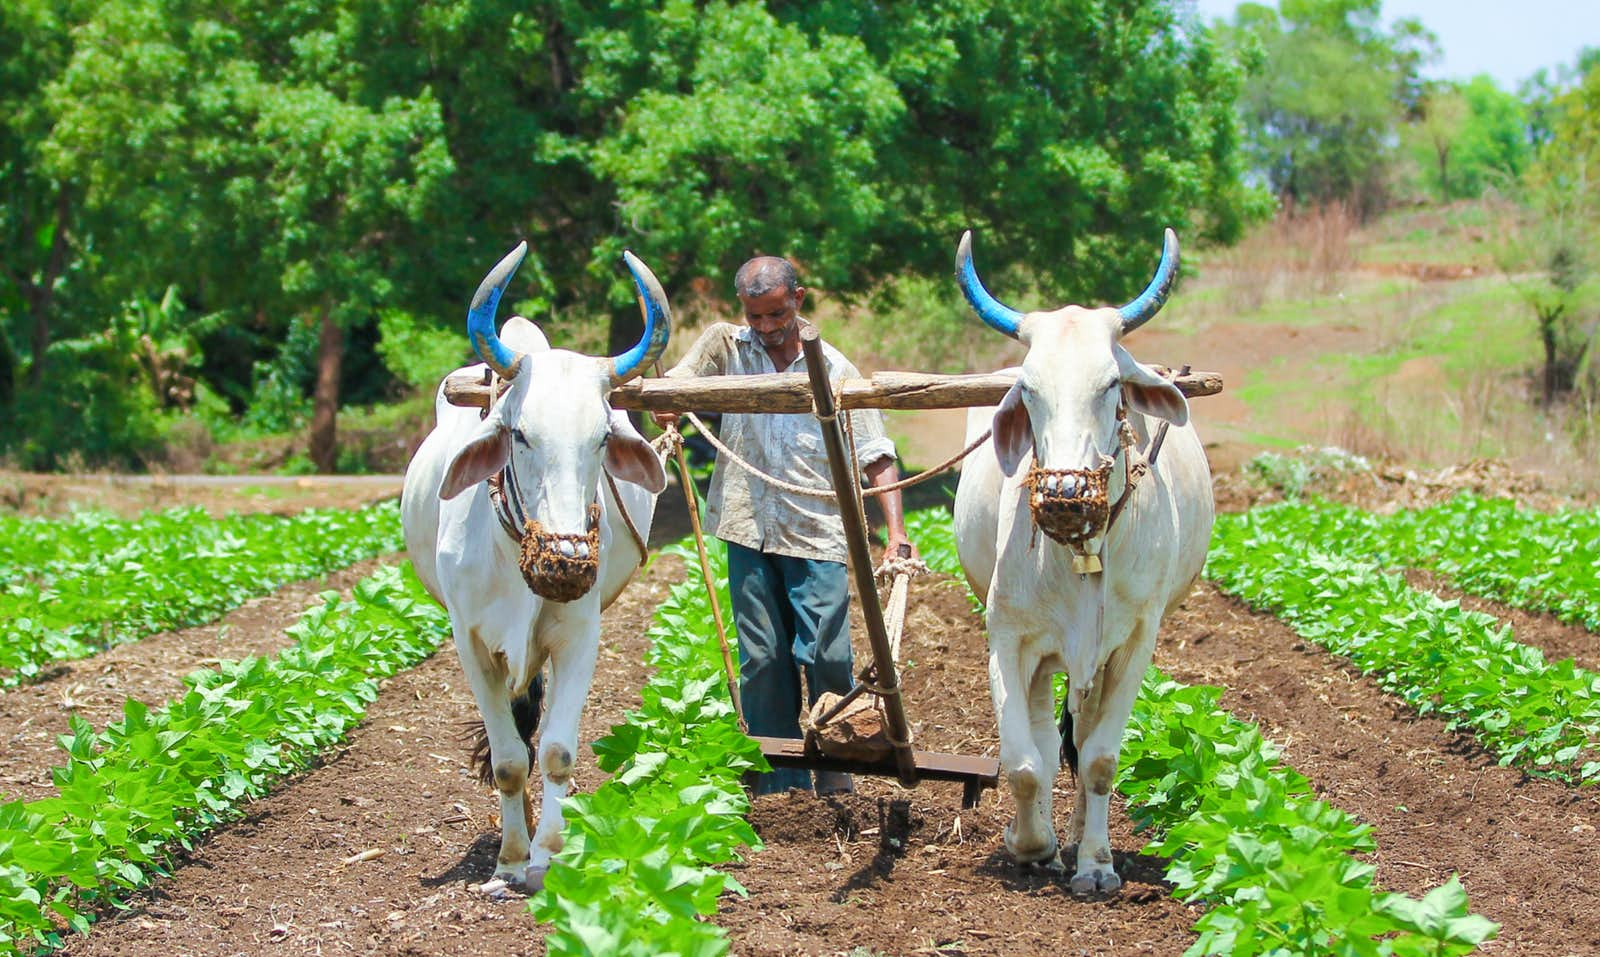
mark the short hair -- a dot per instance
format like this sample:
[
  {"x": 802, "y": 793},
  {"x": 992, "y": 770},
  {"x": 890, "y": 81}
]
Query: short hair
[{"x": 763, "y": 274}]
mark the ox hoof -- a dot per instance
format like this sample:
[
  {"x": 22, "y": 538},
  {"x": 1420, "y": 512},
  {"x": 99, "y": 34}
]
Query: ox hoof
[
  {"x": 1095, "y": 882},
  {"x": 1050, "y": 866},
  {"x": 533, "y": 879},
  {"x": 1047, "y": 856}
]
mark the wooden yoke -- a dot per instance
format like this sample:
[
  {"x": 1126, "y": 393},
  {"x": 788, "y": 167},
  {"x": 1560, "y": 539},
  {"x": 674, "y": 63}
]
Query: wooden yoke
[{"x": 790, "y": 392}]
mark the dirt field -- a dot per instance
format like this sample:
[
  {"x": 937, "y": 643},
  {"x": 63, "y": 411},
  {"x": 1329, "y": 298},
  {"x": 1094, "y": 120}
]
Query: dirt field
[{"x": 827, "y": 882}]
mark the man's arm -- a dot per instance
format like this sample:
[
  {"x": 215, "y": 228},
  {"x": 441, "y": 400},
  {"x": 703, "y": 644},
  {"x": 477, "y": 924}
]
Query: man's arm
[{"x": 883, "y": 472}]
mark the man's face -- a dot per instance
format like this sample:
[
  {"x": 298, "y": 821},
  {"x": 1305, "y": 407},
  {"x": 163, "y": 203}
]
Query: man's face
[{"x": 774, "y": 316}]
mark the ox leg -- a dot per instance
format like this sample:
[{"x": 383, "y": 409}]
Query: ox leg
[
  {"x": 571, "y": 672},
  {"x": 1030, "y": 836},
  {"x": 1077, "y": 705},
  {"x": 508, "y": 753},
  {"x": 1047, "y": 741},
  {"x": 1099, "y": 744}
]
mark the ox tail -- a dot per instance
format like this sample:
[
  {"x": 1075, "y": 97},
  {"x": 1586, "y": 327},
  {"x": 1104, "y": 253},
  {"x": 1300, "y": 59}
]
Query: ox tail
[
  {"x": 1069, "y": 749},
  {"x": 525, "y": 709}
]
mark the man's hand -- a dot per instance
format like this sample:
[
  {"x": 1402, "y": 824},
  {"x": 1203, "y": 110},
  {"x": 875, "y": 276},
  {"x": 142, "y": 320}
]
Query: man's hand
[
  {"x": 664, "y": 419},
  {"x": 901, "y": 547}
]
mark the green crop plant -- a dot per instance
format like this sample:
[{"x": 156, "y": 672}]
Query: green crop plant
[
  {"x": 636, "y": 873},
  {"x": 155, "y": 780},
  {"x": 1465, "y": 666},
  {"x": 177, "y": 575}
]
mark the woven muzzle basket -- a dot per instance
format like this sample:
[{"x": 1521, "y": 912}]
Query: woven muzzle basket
[
  {"x": 1072, "y": 506},
  {"x": 561, "y": 567}
]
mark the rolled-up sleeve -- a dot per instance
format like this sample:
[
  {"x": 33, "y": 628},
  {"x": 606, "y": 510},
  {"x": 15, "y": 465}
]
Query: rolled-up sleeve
[{"x": 872, "y": 443}]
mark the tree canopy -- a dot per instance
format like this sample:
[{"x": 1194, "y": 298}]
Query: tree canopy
[
  {"x": 293, "y": 164},
  {"x": 1324, "y": 108}
]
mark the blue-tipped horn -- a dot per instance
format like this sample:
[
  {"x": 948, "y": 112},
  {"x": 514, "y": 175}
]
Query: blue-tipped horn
[
  {"x": 480, "y": 316},
  {"x": 1139, "y": 311},
  {"x": 992, "y": 311},
  {"x": 657, "y": 323}
]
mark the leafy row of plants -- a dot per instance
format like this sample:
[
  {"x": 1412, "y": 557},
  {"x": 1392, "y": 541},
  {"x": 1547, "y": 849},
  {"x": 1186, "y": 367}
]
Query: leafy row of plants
[
  {"x": 1243, "y": 833},
  {"x": 1545, "y": 561},
  {"x": 36, "y": 547},
  {"x": 128, "y": 796},
  {"x": 172, "y": 582},
  {"x": 636, "y": 876},
  {"x": 1543, "y": 717}
]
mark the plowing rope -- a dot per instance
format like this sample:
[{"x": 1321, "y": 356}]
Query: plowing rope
[
  {"x": 901, "y": 571},
  {"x": 817, "y": 492}
]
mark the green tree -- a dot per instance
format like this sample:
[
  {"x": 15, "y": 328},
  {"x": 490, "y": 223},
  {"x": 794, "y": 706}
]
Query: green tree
[
  {"x": 1551, "y": 257},
  {"x": 1471, "y": 136},
  {"x": 1323, "y": 110},
  {"x": 227, "y": 148},
  {"x": 37, "y": 210},
  {"x": 292, "y": 163}
]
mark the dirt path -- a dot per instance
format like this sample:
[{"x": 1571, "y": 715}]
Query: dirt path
[{"x": 150, "y": 670}]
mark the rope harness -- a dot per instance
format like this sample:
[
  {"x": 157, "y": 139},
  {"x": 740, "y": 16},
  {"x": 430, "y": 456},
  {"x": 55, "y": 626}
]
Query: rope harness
[
  {"x": 558, "y": 566},
  {"x": 1074, "y": 507}
]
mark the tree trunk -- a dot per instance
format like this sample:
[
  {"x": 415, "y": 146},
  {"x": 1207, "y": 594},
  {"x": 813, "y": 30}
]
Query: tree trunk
[
  {"x": 40, "y": 295},
  {"x": 325, "y": 400},
  {"x": 1547, "y": 336},
  {"x": 8, "y": 370},
  {"x": 1444, "y": 174}
]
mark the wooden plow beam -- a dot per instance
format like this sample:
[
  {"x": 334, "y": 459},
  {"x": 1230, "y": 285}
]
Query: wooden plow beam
[{"x": 790, "y": 392}]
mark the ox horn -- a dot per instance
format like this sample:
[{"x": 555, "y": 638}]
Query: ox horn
[
  {"x": 1139, "y": 311},
  {"x": 480, "y": 316},
  {"x": 992, "y": 311},
  {"x": 657, "y": 324}
]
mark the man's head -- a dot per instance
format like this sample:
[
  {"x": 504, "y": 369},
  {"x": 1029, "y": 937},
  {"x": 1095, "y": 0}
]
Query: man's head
[{"x": 771, "y": 294}]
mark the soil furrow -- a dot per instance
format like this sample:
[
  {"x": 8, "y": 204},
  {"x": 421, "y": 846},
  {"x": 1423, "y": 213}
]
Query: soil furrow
[
  {"x": 150, "y": 670},
  {"x": 1524, "y": 847},
  {"x": 826, "y": 883},
  {"x": 277, "y": 881}
]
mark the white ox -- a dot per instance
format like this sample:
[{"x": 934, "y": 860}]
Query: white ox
[
  {"x": 550, "y": 434},
  {"x": 1059, "y": 443}
]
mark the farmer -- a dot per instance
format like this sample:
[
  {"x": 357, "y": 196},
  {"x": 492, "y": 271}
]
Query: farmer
[{"x": 786, "y": 550}]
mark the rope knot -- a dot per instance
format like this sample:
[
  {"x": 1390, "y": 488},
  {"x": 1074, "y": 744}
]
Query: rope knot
[{"x": 894, "y": 565}]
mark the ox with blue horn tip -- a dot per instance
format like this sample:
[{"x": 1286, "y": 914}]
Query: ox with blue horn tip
[
  {"x": 652, "y": 303},
  {"x": 992, "y": 311},
  {"x": 657, "y": 323},
  {"x": 1003, "y": 318},
  {"x": 1149, "y": 302}
]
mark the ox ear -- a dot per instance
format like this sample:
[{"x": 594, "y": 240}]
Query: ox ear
[
  {"x": 1148, "y": 392},
  {"x": 630, "y": 458},
  {"x": 486, "y": 453},
  {"x": 1013, "y": 430}
]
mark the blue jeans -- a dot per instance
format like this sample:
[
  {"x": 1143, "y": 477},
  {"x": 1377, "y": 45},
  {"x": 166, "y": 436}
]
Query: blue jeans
[{"x": 791, "y": 613}]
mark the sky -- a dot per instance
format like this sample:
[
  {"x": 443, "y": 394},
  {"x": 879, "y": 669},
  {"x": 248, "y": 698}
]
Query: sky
[{"x": 1507, "y": 39}]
